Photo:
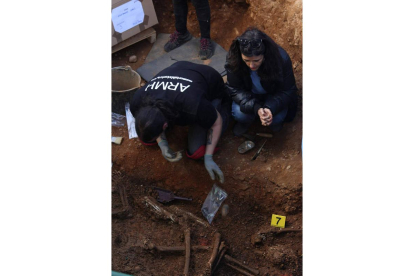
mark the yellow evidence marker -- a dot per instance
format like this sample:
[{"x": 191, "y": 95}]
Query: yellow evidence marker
[{"x": 278, "y": 221}]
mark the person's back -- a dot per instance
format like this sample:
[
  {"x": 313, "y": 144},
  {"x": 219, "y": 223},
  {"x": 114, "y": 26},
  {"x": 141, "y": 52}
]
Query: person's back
[
  {"x": 184, "y": 94},
  {"x": 183, "y": 84}
]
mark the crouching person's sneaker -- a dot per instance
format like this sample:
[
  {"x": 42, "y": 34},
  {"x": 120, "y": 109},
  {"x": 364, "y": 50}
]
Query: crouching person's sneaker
[
  {"x": 176, "y": 40},
  {"x": 206, "y": 48}
]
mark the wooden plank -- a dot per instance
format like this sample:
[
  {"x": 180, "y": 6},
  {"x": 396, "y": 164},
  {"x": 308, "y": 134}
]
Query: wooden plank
[{"x": 149, "y": 34}]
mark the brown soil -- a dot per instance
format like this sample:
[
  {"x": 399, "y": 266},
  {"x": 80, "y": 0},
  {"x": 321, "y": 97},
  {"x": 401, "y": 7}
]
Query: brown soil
[{"x": 272, "y": 184}]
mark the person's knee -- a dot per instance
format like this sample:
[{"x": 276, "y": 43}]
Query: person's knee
[
  {"x": 196, "y": 153},
  {"x": 199, "y": 152},
  {"x": 148, "y": 144},
  {"x": 241, "y": 117},
  {"x": 279, "y": 118}
]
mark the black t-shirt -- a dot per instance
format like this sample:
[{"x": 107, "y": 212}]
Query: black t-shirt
[
  {"x": 206, "y": 114},
  {"x": 189, "y": 88}
]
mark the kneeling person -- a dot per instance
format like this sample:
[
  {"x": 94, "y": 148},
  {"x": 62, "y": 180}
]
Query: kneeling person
[{"x": 184, "y": 94}]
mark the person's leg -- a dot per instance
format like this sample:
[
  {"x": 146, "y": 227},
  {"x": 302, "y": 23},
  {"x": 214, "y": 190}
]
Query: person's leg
[
  {"x": 202, "y": 8},
  {"x": 197, "y": 136},
  {"x": 224, "y": 108},
  {"x": 181, "y": 34},
  {"x": 243, "y": 120},
  {"x": 278, "y": 120},
  {"x": 180, "y": 13}
]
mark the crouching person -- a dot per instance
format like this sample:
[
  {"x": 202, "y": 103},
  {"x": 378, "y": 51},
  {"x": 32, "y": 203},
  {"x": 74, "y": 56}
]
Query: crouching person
[
  {"x": 260, "y": 81},
  {"x": 184, "y": 94}
]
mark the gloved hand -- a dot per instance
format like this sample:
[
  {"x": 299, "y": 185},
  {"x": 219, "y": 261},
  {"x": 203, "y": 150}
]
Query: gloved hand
[
  {"x": 212, "y": 168},
  {"x": 168, "y": 153}
]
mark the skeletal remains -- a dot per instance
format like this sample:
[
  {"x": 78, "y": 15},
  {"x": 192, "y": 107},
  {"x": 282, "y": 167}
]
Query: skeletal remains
[
  {"x": 177, "y": 215},
  {"x": 218, "y": 250}
]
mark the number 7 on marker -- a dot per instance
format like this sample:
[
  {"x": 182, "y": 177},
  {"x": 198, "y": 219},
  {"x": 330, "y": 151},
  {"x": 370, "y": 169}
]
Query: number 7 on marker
[{"x": 278, "y": 221}]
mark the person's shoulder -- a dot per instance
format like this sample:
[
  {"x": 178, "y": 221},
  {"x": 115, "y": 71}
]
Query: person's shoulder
[
  {"x": 139, "y": 93},
  {"x": 233, "y": 70},
  {"x": 283, "y": 53}
]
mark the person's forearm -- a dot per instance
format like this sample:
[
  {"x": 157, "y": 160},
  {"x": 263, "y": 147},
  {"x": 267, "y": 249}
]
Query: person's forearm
[
  {"x": 161, "y": 137},
  {"x": 213, "y": 134}
]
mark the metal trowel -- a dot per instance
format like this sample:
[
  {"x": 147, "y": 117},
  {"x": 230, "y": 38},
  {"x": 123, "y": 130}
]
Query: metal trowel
[
  {"x": 165, "y": 196},
  {"x": 258, "y": 152}
]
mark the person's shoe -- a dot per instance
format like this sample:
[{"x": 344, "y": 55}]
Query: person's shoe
[
  {"x": 206, "y": 48},
  {"x": 240, "y": 129},
  {"x": 176, "y": 40}
]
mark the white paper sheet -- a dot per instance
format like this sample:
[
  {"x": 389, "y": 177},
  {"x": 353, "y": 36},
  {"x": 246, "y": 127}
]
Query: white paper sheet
[
  {"x": 130, "y": 122},
  {"x": 127, "y": 16}
]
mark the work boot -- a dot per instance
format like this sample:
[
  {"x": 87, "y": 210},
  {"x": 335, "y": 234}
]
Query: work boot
[
  {"x": 206, "y": 48},
  {"x": 240, "y": 129},
  {"x": 176, "y": 40}
]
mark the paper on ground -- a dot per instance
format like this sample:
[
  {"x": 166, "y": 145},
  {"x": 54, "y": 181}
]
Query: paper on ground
[{"x": 130, "y": 122}]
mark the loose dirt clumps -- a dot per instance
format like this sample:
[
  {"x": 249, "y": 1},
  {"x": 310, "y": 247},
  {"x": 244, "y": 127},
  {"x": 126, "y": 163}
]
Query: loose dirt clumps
[{"x": 272, "y": 184}]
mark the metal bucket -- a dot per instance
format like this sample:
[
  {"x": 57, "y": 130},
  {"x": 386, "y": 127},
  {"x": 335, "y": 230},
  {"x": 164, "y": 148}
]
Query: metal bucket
[{"x": 125, "y": 82}]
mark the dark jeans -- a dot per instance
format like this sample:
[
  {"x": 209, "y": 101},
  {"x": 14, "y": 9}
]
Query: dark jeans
[
  {"x": 197, "y": 136},
  {"x": 248, "y": 119},
  {"x": 202, "y": 8}
]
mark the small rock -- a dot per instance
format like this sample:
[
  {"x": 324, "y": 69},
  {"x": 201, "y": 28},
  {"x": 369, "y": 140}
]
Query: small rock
[
  {"x": 288, "y": 167},
  {"x": 256, "y": 239},
  {"x": 243, "y": 186},
  {"x": 225, "y": 210},
  {"x": 133, "y": 59}
]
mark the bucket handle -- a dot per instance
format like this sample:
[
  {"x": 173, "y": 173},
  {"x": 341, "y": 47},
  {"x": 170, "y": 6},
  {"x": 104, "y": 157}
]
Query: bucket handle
[{"x": 126, "y": 68}]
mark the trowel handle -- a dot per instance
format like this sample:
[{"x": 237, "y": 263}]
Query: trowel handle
[
  {"x": 268, "y": 135},
  {"x": 182, "y": 198}
]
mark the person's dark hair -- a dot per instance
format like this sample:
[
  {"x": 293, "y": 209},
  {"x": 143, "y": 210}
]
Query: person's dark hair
[
  {"x": 151, "y": 116},
  {"x": 270, "y": 69}
]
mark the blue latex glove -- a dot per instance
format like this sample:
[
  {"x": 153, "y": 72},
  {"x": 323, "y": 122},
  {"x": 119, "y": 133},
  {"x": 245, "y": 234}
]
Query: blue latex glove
[
  {"x": 212, "y": 168},
  {"x": 168, "y": 153}
]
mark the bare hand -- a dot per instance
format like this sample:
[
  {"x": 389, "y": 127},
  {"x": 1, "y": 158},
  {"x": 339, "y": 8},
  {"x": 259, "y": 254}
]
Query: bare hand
[{"x": 266, "y": 116}]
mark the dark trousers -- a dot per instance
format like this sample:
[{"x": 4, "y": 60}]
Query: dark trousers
[
  {"x": 197, "y": 136},
  {"x": 202, "y": 8}
]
